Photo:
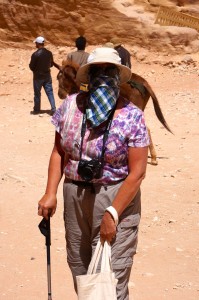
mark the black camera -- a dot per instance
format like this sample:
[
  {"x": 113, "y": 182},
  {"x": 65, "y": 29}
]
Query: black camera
[{"x": 90, "y": 169}]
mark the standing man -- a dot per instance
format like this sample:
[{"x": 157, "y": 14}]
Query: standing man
[
  {"x": 79, "y": 56},
  {"x": 40, "y": 64},
  {"x": 123, "y": 53}
]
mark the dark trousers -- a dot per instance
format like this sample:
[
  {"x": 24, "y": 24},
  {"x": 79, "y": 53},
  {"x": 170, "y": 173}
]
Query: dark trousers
[{"x": 47, "y": 85}]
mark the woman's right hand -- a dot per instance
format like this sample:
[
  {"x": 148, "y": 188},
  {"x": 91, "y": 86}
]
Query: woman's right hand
[{"x": 47, "y": 206}]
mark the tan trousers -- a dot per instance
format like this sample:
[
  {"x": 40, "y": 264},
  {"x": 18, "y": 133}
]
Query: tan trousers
[{"x": 83, "y": 211}]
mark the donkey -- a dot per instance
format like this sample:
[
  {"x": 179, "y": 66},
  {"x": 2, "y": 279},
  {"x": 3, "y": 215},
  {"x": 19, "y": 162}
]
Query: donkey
[
  {"x": 67, "y": 79},
  {"x": 137, "y": 90}
]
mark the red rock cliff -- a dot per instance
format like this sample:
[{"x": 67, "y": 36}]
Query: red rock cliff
[{"x": 62, "y": 20}]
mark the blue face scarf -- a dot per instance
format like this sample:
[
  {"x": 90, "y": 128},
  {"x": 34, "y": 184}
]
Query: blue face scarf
[{"x": 104, "y": 92}]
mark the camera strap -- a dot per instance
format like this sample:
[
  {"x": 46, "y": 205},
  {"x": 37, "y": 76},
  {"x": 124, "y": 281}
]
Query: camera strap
[{"x": 105, "y": 137}]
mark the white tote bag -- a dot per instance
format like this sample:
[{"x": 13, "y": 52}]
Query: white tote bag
[{"x": 98, "y": 286}]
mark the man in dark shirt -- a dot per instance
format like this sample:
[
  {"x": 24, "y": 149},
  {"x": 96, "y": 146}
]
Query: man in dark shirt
[
  {"x": 123, "y": 53},
  {"x": 40, "y": 64}
]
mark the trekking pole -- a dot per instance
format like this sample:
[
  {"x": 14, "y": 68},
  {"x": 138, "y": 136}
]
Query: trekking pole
[{"x": 44, "y": 227}]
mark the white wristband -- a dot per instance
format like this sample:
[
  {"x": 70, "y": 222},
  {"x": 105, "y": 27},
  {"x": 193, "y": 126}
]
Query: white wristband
[{"x": 113, "y": 213}]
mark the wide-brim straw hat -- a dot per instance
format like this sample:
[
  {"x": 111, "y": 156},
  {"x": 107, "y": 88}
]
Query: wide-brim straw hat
[{"x": 100, "y": 56}]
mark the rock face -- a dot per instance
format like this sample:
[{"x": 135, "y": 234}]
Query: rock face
[{"x": 61, "y": 21}]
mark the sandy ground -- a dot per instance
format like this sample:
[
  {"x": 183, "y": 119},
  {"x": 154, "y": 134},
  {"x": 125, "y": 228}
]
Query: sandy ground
[{"x": 167, "y": 262}]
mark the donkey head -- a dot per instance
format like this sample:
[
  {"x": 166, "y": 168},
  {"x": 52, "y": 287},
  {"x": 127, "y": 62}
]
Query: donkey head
[{"x": 67, "y": 79}]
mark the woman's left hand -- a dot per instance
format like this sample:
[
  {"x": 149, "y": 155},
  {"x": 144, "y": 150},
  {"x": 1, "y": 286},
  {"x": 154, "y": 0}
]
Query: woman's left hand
[{"x": 107, "y": 228}]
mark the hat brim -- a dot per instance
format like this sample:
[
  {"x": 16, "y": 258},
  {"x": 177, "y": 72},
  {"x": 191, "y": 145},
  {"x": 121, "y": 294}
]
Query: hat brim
[{"x": 82, "y": 74}]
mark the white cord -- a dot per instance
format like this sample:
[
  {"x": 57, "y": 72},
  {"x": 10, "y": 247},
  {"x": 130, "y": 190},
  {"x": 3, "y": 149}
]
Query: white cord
[{"x": 113, "y": 213}]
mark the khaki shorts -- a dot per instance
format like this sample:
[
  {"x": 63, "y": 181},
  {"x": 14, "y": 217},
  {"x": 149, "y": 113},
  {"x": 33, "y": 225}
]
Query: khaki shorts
[{"x": 84, "y": 208}]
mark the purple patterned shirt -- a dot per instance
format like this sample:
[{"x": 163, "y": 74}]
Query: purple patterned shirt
[{"x": 128, "y": 129}]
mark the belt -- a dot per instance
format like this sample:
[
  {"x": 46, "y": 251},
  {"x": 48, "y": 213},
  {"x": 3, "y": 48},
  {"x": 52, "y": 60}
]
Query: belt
[
  {"x": 82, "y": 183},
  {"x": 90, "y": 184},
  {"x": 79, "y": 183}
]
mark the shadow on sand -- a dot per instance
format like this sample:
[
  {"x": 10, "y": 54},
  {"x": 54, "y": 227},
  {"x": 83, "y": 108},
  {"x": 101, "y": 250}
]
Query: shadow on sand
[{"x": 42, "y": 111}]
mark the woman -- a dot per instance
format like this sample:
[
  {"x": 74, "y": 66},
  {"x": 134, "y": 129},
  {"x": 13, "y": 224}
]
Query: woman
[{"x": 101, "y": 147}]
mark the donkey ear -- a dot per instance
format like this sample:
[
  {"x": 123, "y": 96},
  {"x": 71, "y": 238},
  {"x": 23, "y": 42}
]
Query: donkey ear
[
  {"x": 65, "y": 62},
  {"x": 74, "y": 77},
  {"x": 75, "y": 66},
  {"x": 70, "y": 71}
]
